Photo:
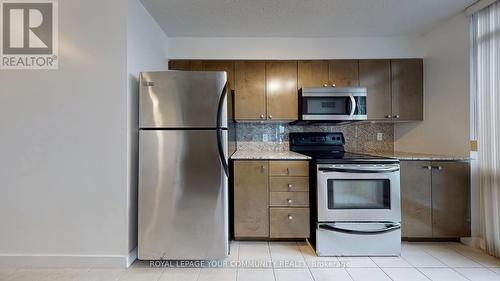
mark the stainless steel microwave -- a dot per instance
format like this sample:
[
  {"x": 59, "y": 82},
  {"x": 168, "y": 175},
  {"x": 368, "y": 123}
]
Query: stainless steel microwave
[{"x": 332, "y": 104}]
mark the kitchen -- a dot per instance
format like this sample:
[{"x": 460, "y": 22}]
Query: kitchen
[{"x": 342, "y": 147}]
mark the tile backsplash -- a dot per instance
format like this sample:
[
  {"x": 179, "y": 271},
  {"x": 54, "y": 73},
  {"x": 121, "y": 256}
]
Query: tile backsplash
[{"x": 360, "y": 137}]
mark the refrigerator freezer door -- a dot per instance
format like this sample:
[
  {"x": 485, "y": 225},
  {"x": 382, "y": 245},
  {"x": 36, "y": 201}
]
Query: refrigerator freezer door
[
  {"x": 183, "y": 200},
  {"x": 181, "y": 99}
]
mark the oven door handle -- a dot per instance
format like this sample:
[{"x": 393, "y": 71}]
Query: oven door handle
[
  {"x": 388, "y": 228},
  {"x": 357, "y": 170}
]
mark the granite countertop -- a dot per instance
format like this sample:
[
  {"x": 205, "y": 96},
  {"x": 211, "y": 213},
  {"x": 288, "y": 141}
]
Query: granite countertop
[
  {"x": 268, "y": 155},
  {"x": 419, "y": 156}
]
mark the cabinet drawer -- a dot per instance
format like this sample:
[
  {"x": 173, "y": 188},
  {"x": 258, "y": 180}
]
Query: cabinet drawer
[
  {"x": 289, "y": 184},
  {"x": 292, "y": 199},
  {"x": 289, "y": 222},
  {"x": 289, "y": 168}
]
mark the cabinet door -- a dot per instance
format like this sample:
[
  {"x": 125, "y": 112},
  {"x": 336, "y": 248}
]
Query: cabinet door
[
  {"x": 251, "y": 217},
  {"x": 189, "y": 65},
  {"x": 282, "y": 94},
  {"x": 407, "y": 89},
  {"x": 313, "y": 73},
  {"x": 343, "y": 73},
  {"x": 416, "y": 203},
  {"x": 450, "y": 199},
  {"x": 228, "y": 67},
  {"x": 375, "y": 75},
  {"x": 221, "y": 65},
  {"x": 250, "y": 90}
]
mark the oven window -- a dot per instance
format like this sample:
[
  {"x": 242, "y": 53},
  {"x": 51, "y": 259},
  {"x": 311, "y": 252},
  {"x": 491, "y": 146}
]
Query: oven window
[
  {"x": 359, "y": 194},
  {"x": 326, "y": 105}
]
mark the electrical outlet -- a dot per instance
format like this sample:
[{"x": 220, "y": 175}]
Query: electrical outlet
[
  {"x": 380, "y": 136},
  {"x": 265, "y": 138}
]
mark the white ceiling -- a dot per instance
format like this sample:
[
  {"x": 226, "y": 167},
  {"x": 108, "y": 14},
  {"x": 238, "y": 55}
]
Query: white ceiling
[{"x": 301, "y": 18}]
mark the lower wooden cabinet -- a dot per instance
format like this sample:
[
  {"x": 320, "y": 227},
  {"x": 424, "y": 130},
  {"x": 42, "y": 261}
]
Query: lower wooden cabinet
[
  {"x": 435, "y": 199},
  {"x": 289, "y": 223},
  {"x": 416, "y": 195},
  {"x": 251, "y": 214},
  {"x": 271, "y": 199},
  {"x": 450, "y": 199}
]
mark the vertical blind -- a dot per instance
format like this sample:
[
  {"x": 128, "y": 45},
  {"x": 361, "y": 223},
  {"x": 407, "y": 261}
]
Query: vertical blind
[{"x": 485, "y": 118}]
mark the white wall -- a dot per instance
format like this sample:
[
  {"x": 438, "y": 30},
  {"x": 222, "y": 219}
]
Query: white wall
[
  {"x": 294, "y": 48},
  {"x": 146, "y": 51},
  {"x": 63, "y": 165},
  {"x": 67, "y": 170},
  {"x": 445, "y": 129}
]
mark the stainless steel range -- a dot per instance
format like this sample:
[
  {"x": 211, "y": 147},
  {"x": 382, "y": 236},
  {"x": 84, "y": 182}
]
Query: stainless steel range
[{"x": 357, "y": 196}]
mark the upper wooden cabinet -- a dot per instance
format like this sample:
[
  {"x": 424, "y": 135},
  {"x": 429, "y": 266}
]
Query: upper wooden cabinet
[
  {"x": 343, "y": 73},
  {"x": 221, "y": 65},
  {"x": 328, "y": 73},
  {"x": 313, "y": 73},
  {"x": 282, "y": 95},
  {"x": 268, "y": 90},
  {"x": 250, "y": 90},
  {"x": 375, "y": 75},
  {"x": 407, "y": 89},
  {"x": 189, "y": 65}
]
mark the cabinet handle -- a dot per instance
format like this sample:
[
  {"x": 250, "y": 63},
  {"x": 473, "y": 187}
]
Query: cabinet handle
[
  {"x": 427, "y": 167},
  {"x": 270, "y": 117},
  {"x": 333, "y": 85},
  {"x": 388, "y": 116},
  {"x": 290, "y": 187},
  {"x": 438, "y": 167},
  {"x": 288, "y": 171},
  {"x": 263, "y": 168},
  {"x": 290, "y": 217},
  {"x": 325, "y": 85},
  {"x": 289, "y": 201},
  {"x": 262, "y": 116},
  {"x": 396, "y": 116}
]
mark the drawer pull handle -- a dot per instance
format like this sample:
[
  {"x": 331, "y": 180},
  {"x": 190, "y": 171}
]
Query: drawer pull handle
[
  {"x": 290, "y": 187},
  {"x": 289, "y": 201},
  {"x": 288, "y": 171},
  {"x": 290, "y": 217},
  {"x": 263, "y": 168},
  {"x": 427, "y": 167}
]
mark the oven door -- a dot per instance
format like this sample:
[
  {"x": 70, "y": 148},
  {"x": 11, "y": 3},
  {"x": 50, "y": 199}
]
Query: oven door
[
  {"x": 358, "y": 193},
  {"x": 345, "y": 104}
]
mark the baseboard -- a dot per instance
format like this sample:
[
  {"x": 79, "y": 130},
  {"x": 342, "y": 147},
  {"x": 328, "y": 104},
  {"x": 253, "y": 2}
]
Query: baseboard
[
  {"x": 74, "y": 261},
  {"x": 475, "y": 242}
]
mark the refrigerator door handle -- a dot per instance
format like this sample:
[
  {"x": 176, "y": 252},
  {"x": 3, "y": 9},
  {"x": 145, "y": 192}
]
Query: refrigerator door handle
[
  {"x": 221, "y": 151},
  {"x": 220, "y": 130},
  {"x": 221, "y": 107}
]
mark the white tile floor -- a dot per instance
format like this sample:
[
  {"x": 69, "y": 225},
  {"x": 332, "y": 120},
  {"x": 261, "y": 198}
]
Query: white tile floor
[{"x": 290, "y": 261}]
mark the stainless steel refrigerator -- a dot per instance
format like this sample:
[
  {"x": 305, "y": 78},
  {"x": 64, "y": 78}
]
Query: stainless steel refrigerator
[{"x": 183, "y": 165}]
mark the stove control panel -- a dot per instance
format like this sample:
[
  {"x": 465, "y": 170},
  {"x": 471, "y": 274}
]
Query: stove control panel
[{"x": 316, "y": 139}]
